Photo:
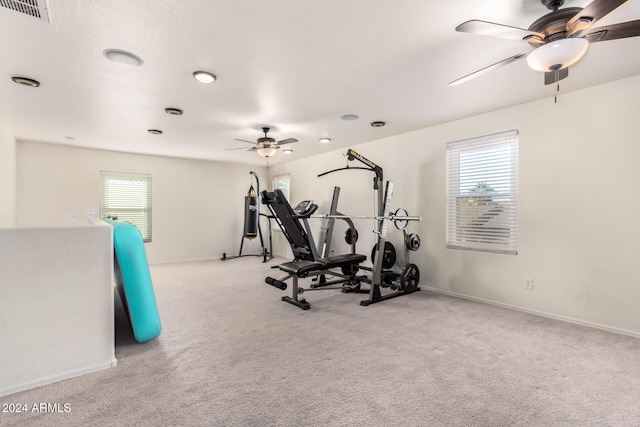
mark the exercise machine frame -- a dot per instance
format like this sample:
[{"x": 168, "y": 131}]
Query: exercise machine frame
[
  {"x": 383, "y": 218},
  {"x": 307, "y": 262},
  {"x": 313, "y": 262}
]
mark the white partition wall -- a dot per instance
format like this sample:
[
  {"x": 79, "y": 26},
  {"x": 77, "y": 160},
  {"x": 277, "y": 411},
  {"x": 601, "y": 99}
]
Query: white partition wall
[
  {"x": 7, "y": 179},
  {"x": 56, "y": 304}
]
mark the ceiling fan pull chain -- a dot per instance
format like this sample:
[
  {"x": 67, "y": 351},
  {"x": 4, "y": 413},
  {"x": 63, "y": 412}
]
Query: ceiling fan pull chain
[{"x": 555, "y": 98}]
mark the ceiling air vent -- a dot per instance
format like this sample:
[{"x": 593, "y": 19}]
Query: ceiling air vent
[{"x": 35, "y": 8}]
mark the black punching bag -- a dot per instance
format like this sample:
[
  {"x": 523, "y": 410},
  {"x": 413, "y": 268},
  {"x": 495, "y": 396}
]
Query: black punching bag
[{"x": 250, "y": 215}]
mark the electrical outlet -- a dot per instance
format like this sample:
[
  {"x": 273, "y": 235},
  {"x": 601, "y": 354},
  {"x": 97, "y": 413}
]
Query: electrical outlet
[{"x": 528, "y": 283}]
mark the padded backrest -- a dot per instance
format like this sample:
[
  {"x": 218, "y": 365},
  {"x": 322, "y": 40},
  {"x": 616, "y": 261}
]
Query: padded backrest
[{"x": 289, "y": 223}]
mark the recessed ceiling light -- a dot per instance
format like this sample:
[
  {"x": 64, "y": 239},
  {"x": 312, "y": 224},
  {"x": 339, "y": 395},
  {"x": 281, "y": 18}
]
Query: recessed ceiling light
[
  {"x": 349, "y": 117},
  {"x": 325, "y": 140},
  {"x": 173, "y": 111},
  {"x": 204, "y": 76},
  {"x": 287, "y": 151},
  {"x": 377, "y": 124},
  {"x": 25, "y": 81},
  {"x": 123, "y": 57},
  {"x": 155, "y": 131}
]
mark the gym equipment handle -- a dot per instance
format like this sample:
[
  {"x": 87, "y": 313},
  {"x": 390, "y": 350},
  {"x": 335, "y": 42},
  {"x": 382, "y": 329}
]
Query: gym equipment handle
[{"x": 276, "y": 283}]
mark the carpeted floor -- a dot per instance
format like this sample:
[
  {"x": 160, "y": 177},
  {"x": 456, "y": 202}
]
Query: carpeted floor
[{"x": 232, "y": 354}]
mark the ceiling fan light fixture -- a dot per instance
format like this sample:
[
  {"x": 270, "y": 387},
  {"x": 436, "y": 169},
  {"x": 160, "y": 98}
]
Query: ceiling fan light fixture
[
  {"x": 204, "y": 76},
  {"x": 266, "y": 151},
  {"x": 558, "y": 54}
]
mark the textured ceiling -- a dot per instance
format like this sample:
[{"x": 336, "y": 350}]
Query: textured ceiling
[{"x": 294, "y": 65}]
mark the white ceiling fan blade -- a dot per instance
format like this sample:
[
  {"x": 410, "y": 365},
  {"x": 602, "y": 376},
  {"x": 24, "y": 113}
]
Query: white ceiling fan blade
[
  {"x": 491, "y": 29},
  {"x": 489, "y": 68},
  {"x": 244, "y": 140}
]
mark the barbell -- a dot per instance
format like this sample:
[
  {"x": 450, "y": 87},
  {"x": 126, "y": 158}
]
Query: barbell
[{"x": 400, "y": 218}]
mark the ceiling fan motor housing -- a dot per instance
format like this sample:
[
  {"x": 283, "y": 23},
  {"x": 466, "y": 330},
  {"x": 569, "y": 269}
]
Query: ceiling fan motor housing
[
  {"x": 553, "y": 4},
  {"x": 554, "y": 25},
  {"x": 265, "y": 140}
]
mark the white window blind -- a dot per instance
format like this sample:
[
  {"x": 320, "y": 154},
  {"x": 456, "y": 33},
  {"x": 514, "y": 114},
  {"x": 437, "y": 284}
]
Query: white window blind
[
  {"x": 127, "y": 196},
  {"x": 482, "y": 193}
]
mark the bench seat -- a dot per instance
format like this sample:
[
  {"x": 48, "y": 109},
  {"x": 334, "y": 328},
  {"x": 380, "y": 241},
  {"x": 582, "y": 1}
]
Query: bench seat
[{"x": 303, "y": 268}]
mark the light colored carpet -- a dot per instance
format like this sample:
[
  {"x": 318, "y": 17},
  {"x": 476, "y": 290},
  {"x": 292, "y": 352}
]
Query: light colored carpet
[{"x": 232, "y": 354}]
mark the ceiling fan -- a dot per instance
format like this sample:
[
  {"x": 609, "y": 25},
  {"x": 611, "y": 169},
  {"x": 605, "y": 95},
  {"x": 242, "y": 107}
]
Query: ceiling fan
[
  {"x": 265, "y": 146},
  {"x": 559, "y": 38}
]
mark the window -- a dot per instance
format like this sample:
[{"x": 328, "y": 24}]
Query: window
[
  {"x": 127, "y": 196},
  {"x": 482, "y": 193},
  {"x": 282, "y": 182}
]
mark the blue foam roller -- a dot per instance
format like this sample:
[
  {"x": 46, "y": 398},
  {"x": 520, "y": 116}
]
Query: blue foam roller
[{"x": 134, "y": 281}]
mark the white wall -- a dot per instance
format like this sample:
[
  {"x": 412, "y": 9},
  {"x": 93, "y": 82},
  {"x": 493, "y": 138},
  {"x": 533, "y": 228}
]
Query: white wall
[
  {"x": 578, "y": 229},
  {"x": 56, "y": 299},
  {"x": 578, "y": 223},
  {"x": 7, "y": 179},
  {"x": 198, "y": 206}
]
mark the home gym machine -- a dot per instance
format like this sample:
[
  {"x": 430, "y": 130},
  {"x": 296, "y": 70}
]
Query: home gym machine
[
  {"x": 306, "y": 261},
  {"x": 383, "y": 255},
  {"x": 315, "y": 263},
  {"x": 252, "y": 227}
]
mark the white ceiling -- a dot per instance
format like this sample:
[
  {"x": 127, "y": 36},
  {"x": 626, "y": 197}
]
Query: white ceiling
[{"x": 294, "y": 65}]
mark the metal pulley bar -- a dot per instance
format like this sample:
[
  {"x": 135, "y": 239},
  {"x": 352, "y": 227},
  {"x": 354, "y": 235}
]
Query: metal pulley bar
[
  {"x": 390, "y": 217},
  {"x": 399, "y": 220}
]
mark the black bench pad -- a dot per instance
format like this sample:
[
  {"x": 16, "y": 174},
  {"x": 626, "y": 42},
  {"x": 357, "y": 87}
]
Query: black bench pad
[
  {"x": 300, "y": 268},
  {"x": 342, "y": 260},
  {"x": 303, "y": 268}
]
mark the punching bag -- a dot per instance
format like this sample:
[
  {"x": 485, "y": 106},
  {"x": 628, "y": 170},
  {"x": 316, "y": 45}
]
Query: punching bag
[{"x": 251, "y": 214}]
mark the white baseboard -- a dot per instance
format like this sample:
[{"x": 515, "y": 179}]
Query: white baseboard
[
  {"x": 608, "y": 328},
  {"x": 184, "y": 260},
  {"x": 15, "y": 388}
]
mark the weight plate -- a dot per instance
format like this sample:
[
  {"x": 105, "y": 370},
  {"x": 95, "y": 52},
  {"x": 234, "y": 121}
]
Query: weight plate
[
  {"x": 413, "y": 242},
  {"x": 410, "y": 278},
  {"x": 351, "y": 236},
  {"x": 400, "y": 224},
  {"x": 388, "y": 255}
]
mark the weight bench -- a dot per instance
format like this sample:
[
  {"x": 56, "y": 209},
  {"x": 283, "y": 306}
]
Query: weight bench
[{"x": 306, "y": 263}]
